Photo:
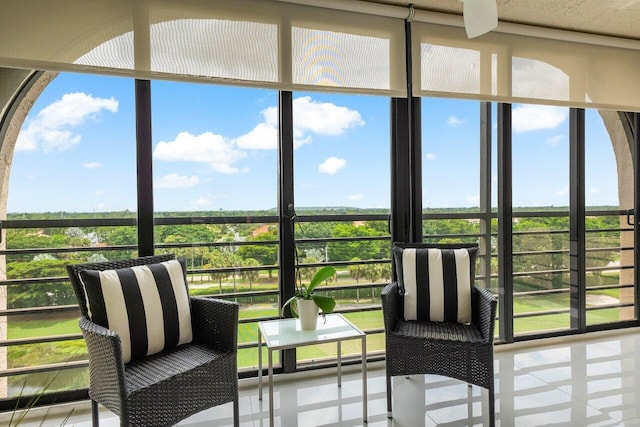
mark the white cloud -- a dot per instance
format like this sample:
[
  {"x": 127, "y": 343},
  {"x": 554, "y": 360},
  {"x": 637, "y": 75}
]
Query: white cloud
[
  {"x": 332, "y": 165},
  {"x": 207, "y": 147},
  {"x": 263, "y": 137},
  {"x": 270, "y": 116},
  {"x": 356, "y": 197},
  {"x": 309, "y": 117},
  {"x": 527, "y": 118},
  {"x": 91, "y": 165},
  {"x": 98, "y": 193},
  {"x": 453, "y": 121},
  {"x": 207, "y": 200},
  {"x": 203, "y": 202},
  {"x": 52, "y": 128},
  {"x": 563, "y": 191},
  {"x": 300, "y": 139},
  {"x": 594, "y": 190},
  {"x": 555, "y": 140},
  {"x": 323, "y": 118},
  {"x": 430, "y": 156},
  {"x": 173, "y": 180},
  {"x": 27, "y": 140}
]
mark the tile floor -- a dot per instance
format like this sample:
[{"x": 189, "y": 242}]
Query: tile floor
[{"x": 591, "y": 380}]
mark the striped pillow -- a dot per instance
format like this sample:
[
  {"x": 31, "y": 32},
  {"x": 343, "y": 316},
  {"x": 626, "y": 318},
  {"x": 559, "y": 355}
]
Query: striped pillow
[
  {"x": 436, "y": 282},
  {"x": 147, "y": 306}
]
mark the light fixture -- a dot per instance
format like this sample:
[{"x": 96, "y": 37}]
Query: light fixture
[{"x": 480, "y": 16}]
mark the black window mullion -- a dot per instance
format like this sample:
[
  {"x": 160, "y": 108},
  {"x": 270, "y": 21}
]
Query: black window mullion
[
  {"x": 406, "y": 181},
  {"x": 406, "y": 165},
  {"x": 286, "y": 211},
  {"x": 505, "y": 220},
  {"x": 577, "y": 241},
  {"x": 400, "y": 181},
  {"x": 415, "y": 169},
  {"x": 485, "y": 190},
  {"x": 144, "y": 154}
]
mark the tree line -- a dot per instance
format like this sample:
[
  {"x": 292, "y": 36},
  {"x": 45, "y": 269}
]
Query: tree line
[{"x": 220, "y": 253}]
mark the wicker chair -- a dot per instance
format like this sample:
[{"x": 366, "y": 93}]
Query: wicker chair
[
  {"x": 454, "y": 350},
  {"x": 167, "y": 387}
]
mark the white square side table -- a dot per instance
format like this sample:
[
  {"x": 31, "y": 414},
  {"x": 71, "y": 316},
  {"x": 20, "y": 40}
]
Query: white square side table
[{"x": 283, "y": 334}]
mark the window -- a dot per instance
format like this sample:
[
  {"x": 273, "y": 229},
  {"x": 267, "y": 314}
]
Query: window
[
  {"x": 215, "y": 194},
  {"x": 453, "y": 199},
  {"x": 342, "y": 172},
  {"x": 73, "y": 169},
  {"x": 609, "y": 239},
  {"x": 540, "y": 226}
]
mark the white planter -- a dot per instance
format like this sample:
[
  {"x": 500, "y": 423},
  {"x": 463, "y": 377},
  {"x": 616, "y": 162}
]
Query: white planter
[{"x": 308, "y": 312}]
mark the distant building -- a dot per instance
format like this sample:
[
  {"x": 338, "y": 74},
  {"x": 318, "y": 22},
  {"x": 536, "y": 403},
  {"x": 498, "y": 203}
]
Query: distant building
[{"x": 261, "y": 230}]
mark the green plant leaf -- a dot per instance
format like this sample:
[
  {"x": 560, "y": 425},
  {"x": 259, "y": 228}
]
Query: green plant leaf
[
  {"x": 321, "y": 275},
  {"x": 325, "y": 303},
  {"x": 294, "y": 306},
  {"x": 19, "y": 417}
]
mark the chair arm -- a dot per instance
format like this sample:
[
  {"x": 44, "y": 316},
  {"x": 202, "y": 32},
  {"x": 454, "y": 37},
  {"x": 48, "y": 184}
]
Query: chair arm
[
  {"x": 390, "y": 296},
  {"x": 484, "y": 312},
  {"x": 215, "y": 323},
  {"x": 106, "y": 369}
]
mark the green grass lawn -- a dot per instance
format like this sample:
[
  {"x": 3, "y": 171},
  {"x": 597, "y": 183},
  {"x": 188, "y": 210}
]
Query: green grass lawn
[
  {"x": 364, "y": 320},
  {"x": 36, "y": 354},
  {"x": 532, "y": 304},
  {"x": 42, "y": 327}
]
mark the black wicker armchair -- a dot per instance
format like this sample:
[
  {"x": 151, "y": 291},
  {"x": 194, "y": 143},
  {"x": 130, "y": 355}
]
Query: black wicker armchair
[
  {"x": 456, "y": 350},
  {"x": 164, "y": 388}
]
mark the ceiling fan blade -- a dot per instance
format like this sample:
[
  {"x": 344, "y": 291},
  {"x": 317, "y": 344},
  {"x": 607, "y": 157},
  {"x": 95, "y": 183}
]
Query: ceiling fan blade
[{"x": 480, "y": 16}]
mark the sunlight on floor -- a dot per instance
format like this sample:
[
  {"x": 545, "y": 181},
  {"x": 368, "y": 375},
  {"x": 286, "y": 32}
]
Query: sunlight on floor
[{"x": 567, "y": 381}]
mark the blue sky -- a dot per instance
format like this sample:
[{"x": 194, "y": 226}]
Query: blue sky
[{"x": 215, "y": 149}]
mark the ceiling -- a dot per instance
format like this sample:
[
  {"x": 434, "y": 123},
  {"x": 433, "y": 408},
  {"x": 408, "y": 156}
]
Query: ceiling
[{"x": 617, "y": 18}]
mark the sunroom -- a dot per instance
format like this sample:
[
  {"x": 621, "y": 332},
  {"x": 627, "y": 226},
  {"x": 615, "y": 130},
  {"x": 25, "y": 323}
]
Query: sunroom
[{"x": 261, "y": 140}]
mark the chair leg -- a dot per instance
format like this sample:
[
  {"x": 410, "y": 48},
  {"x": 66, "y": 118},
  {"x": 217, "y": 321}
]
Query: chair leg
[
  {"x": 95, "y": 421},
  {"x": 389, "y": 413},
  {"x": 492, "y": 407},
  {"x": 236, "y": 412}
]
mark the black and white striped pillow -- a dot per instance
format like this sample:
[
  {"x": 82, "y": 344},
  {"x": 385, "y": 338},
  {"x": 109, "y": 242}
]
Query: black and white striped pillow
[
  {"x": 436, "y": 281},
  {"x": 147, "y": 306}
]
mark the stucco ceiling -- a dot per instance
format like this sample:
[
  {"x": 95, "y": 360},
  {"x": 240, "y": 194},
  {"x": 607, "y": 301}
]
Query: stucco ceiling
[{"x": 606, "y": 17}]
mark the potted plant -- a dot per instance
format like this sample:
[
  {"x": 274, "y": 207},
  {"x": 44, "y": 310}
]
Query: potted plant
[{"x": 306, "y": 304}]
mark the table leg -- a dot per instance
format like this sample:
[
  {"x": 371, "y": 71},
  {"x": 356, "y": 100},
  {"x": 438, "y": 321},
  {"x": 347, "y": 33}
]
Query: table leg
[
  {"x": 339, "y": 364},
  {"x": 364, "y": 378},
  {"x": 259, "y": 365},
  {"x": 271, "y": 422}
]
